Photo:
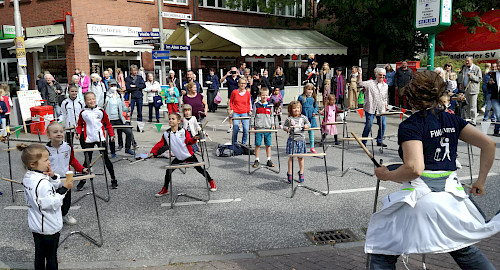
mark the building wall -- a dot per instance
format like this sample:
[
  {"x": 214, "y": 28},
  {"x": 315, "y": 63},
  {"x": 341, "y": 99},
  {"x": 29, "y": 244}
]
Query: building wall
[{"x": 136, "y": 13}]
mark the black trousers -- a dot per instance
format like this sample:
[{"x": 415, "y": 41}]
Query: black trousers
[
  {"x": 120, "y": 131},
  {"x": 104, "y": 153},
  {"x": 69, "y": 137},
  {"x": 191, "y": 159},
  {"x": 66, "y": 203},
  {"x": 211, "y": 94},
  {"x": 46, "y": 251}
]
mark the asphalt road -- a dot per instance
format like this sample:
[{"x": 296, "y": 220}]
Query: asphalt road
[{"x": 249, "y": 213}]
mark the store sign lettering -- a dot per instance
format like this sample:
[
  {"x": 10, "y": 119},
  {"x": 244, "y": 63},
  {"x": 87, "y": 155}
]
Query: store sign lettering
[
  {"x": 46, "y": 30},
  {"x": 113, "y": 30}
]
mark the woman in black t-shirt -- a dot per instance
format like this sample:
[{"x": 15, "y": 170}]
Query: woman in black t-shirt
[{"x": 431, "y": 213}]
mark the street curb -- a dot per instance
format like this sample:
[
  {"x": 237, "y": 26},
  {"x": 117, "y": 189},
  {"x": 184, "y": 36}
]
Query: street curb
[{"x": 185, "y": 259}]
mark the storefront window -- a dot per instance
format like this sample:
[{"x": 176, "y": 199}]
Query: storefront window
[
  {"x": 53, "y": 52},
  {"x": 94, "y": 49},
  {"x": 6, "y": 54},
  {"x": 57, "y": 68},
  {"x": 291, "y": 70}
]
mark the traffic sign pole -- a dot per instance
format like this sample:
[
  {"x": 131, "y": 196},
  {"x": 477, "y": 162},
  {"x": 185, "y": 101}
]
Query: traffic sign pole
[
  {"x": 430, "y": 51},
  {"x": 188, "y": 43},
  {"x": 162, "y": 41},
  {"x": 20, "y": 50}
]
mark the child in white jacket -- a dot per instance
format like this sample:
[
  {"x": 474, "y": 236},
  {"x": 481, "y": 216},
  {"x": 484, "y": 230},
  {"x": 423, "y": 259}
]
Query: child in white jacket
[{"x": 44, "y": 194}]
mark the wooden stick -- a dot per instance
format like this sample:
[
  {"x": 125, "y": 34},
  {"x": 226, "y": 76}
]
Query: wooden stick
[
  {"x": 123, "y": 126},
  {"x": 16, "y": 130},
  {"x": 263, "y": 130},
  {"x": 96, "y": 159},
  {"x": 204, "y": 125},
  {"x": 89, "y": 149},
  {"x": 10, "y": 180},
  {"x": 9, "y": 149},
  {"x": 365, "y": 149},
  {"x": 83, "y": 177}
]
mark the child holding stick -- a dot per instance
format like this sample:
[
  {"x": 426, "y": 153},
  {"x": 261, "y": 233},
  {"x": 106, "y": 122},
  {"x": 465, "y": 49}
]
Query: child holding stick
[
  {"x": 296, "y": 143},
  {"x": 91, "y": 132},
  {"x": 180, "y": 145},
  {"x": 44, "y": 194},
  {"x": 61, "y": 156}
]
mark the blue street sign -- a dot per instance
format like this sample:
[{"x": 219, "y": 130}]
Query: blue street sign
[
  {"x": 173, "y": 47},
  {"x": 148, "y": 34},
  {"x": 161, "y": 54}
]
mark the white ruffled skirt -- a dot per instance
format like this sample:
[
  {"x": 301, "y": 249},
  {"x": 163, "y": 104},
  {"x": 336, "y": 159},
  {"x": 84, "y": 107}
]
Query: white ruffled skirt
[{"x": 416, "y": 220}]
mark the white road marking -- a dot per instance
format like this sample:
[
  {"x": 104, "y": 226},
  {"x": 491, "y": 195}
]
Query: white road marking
[
  {"x": 351, "y": 190},
  {"x": 24, "y": 207},
  {"x": 200, "y": 202}
]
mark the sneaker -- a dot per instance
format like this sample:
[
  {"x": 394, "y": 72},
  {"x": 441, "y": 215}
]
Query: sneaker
[
  {"x": 301, "y": 177},
  {"x": 496, "y": 134},
  {"x": 157, "y": 120},
  {"x": 281, "y": 127},
  {"x": 313, "y": 150},
  {"x": 163, "y": 192},
  {"x": 230, "y": 129},
  {"x": 69, "y": 220},
  {"x": 381, "y": 144},
  {"x": 130, "y": 152},
  {"x": 212, "y": 186},
  {"x": 256, "y": 164},
  {"x": 337, "y": 143},
  {"x": 270, "y": 163},
  {"x": 119, "y": 148},
  {"x": 289, "y": 178},
  {"x": 80, "y": 185},
  {"x": 113, "y": 155},
  {"x": 114, "y": 184},
  {"x": 149, "y": 121}
]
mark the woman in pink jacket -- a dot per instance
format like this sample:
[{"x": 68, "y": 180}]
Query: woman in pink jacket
[{"x": 84, "y": 80}]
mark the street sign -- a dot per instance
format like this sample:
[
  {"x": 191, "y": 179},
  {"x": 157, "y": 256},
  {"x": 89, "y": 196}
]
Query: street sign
[
  {"x": 432, "y": 15},
  {"x": 148, "y": 34},
  {"x": 161, "y": 54},
  {"x": 147, "y": 41},
  {"x": 173, "y": 15},
  {"x": 173, "y": 47}
]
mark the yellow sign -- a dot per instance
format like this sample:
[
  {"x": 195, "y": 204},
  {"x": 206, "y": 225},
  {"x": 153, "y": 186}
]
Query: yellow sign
[{"x": 20, "y": 51}]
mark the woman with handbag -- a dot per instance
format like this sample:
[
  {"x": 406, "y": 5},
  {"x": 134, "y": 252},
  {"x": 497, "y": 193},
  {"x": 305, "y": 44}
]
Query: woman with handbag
[
  {"x": 212, "y": 82},
  {"x": 152, "y": 89}
]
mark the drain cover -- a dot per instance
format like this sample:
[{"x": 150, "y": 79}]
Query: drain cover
[{"x": 331, "y": 237}]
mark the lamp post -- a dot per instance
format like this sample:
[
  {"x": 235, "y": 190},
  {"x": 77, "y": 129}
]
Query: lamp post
[{"x": 162, "y": 42}]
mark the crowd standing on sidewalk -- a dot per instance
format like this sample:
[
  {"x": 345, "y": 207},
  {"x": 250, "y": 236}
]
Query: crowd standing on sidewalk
[{"x": 89, "y": 107}]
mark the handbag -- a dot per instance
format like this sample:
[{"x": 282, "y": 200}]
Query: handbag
[
  {"x": 218, "y": 98},
  {"x": 157, "y": 101}
]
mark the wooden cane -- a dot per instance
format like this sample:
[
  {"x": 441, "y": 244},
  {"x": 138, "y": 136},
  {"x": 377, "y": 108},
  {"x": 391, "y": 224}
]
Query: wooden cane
[
  {"x": 365, "y": 149},
  {"x": 97, "y": 158},
  {"x": 10, "y": 180}
]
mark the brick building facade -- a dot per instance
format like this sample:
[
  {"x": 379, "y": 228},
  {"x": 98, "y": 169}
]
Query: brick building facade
[{"x": 79, "y": 46}]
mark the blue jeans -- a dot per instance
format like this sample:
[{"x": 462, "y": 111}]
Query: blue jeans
[
  {"x": 495, "y": 103},
  {"x": 368, "y": 126},
  {"x": 133, "y": 103},
  {"x": 466, "y": 258},
  {"x": 488, "y": 105},
  {"x": 236, "y": 128}
]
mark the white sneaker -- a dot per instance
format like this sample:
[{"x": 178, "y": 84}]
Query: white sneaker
[
  {"x": 69, "y": 220},
  {"x": 230, "y": 129}
]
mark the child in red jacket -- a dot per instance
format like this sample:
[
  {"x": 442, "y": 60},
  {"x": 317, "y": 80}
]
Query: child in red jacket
[{"x": 180, "y": 145}]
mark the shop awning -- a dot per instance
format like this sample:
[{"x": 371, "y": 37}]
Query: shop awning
[
  {"x": 37, "y": 44},
  {"x": 6, "y": 43},
  {"x": 120, "y": 44},
  {"x": 458, "y": 43},
  {"x": 232, "y": 41}
]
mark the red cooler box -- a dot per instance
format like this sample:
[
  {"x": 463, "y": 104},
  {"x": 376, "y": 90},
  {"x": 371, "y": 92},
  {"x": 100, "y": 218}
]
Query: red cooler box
[{"x": 39, "y": 115}]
